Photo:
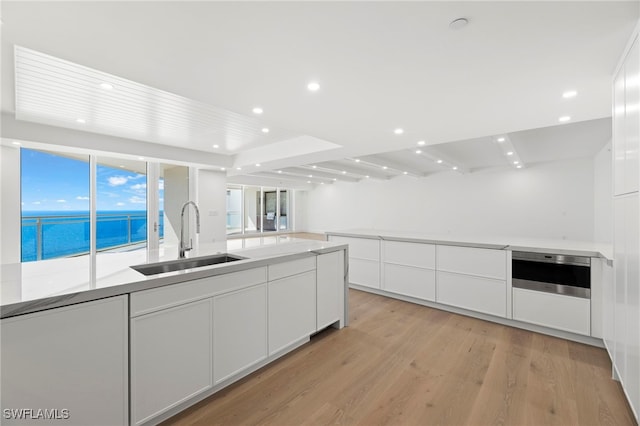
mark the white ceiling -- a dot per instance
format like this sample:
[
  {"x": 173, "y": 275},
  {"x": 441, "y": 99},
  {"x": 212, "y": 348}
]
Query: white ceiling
[{"x": 381, "y": 65}]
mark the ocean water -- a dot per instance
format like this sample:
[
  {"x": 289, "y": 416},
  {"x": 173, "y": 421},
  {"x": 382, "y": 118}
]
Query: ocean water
[{"x": 61, "y": 234}]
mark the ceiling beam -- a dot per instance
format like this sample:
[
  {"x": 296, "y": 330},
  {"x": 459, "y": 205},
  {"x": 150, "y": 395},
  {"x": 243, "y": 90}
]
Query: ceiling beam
[
  {"x": 509, "y": 151},
  {"x": 444, "y": 161}
]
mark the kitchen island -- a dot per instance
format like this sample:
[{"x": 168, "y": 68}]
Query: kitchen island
[{"x": 134, "y": 349}]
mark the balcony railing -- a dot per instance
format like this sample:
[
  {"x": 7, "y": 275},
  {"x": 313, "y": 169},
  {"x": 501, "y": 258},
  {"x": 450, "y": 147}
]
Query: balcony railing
[{"x": 53, "y": 236}]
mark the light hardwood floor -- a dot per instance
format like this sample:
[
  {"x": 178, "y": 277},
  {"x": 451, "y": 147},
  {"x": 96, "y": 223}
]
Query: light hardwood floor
[{"x": 404, "y": 364}]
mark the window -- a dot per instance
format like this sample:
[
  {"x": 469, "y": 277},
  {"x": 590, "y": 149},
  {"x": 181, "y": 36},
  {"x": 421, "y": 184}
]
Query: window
[{"x": 257, "y": 210}]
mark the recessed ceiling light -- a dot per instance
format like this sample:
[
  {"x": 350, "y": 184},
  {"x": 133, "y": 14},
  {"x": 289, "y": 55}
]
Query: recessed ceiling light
[
  {"x": 314, "y": 166},
  {"x": 439, "y": 161},
  {"x": 122, "y": 167},
  {"x": 16, "y": 143},
  {"x": 459, "y": 23},
  {"x": 418, "y": 151},
  {"x": 216, "y": 146},
  {"x": 500, "y": 139},
  {"x": 569, "y": 94},
  {"x": 510, "y": 153},
  {"x": 308, "y": 181},
  {"x": 223, "y": 169},
  {"x": 564, "y": 118},
  {"x": 455, "y": 167},
  {"x": 357, "y": 160},
  {"x": 310, "y": 176},
  {"x": 106, "y": 86},
  {"x": 384, "y": 167},
  {"x": 421, "y": 143},
  {"x": 367, "y": 176},
  {"x": 257, "y": 110},
  {"x": 398, "y": 131},
  {"x": 404, "y": 173},
  {"x": 265, "y": 130},
  {"x": 516, "y": 162},
  {"x": 313, "y": 86},
  {"x": 279, "y": 171},
  {"x": 519, "y": 166},
  {"x": 257, "y": 164},
  {"x": 141, "y": 158},
  {"x": 335, "y": 179},
  {"x": 321, "y": 183},
  {"x": 344, "y": 172},
  {"x": 238, "y": 168},
  {"x": 80, "y": 120}
]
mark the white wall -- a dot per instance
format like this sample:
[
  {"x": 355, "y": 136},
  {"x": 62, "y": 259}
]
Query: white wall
[
  {"x": 211, "y": 200},
  {"x": 552, "y": 200},
  {"x": 603, "y": 197},
  {"x": 176, "y": 193}
]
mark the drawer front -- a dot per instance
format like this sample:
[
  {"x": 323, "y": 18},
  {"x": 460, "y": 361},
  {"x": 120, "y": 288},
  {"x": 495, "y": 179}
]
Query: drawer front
[
  {"x": 481, "y": 262},
  {"x": 361, "y": 248},
  {"x": 364, "y": 272},
  {"x": 410, "y": 281},
  {"x": 146, "y": 301},
  {"x": 474, "y": 293},
  {"x": 552, "y": 310},
  {"x": 410, "y": 254},
  {"x": 294, "y": 267}
]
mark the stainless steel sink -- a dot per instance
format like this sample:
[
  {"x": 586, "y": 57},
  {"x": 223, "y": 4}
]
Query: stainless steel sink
[{"x": 181, "y": 264}]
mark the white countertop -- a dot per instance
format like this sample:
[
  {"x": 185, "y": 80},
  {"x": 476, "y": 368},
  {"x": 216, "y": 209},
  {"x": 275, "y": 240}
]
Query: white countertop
[
  {"x": 567, "y": 247},
  {"x": 59, "y": 282}
]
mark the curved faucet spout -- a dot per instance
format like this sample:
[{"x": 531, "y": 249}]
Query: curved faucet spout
[{"x": 183, "y": 247}]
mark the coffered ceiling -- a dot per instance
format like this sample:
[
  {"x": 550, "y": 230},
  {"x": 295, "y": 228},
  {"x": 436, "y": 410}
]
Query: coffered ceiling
[{"x": 189, "y": 74}]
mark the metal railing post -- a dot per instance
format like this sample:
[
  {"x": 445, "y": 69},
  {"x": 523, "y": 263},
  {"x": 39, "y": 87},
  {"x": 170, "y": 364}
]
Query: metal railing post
[
  {"x": 128, "y": 229},
  {"x": 38, "y": 239}
]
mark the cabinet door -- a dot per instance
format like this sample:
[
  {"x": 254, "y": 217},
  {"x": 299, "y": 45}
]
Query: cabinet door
[
  {"x": 421, "y": 255},
  {"x": 557, "y": 311},
  {"x": 632, "y": 118},
  {"x": 632, "y": 340},
  {"x": 73, "y": 358},
  {"x": 480, "y": 262},
  {"x": 171, "y": 358},
  {"x": 292, "y": 310},
  {"x": 410, "y": 281},
  {"x": 239, "y": 331},
  {"x": 620, "y": 293},
  {"x": 364, "y": 272},
  {"x": 329, "y": 288},
  {"x": 474, "y": 293},
  {"x": 619, "y": 130}
]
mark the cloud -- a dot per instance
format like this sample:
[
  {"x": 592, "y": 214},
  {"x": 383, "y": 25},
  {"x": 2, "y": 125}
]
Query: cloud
[
  {"x": 61, "y": 201},
  {"x": 119, "y": 204},
  {"x": 117, "y": 180},
  {"x": 139, "y": 186},
  {"x": 36, "y": 202},
  {"x": 137, "y": 200},
  {"x": 80, "y": 197}
]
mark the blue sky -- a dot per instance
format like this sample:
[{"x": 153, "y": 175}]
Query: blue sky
[{"x": 52, "y": 182}]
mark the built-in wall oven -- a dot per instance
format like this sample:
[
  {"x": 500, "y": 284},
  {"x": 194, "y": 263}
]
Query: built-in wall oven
[{"x": 552, "y": 273}]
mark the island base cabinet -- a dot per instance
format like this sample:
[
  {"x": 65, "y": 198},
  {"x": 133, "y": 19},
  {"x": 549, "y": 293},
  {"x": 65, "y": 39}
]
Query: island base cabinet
[
  {"x": 239, "y": 331},
  {"x": 71, "y": 361},
  {"x": 330, "y": 289},
  {"x": 484, "y": 295},
  {"x": 171, "y": 358},
  {"x": 292, "y": 310},
  {"x": 557, "y": 311},
  {"x": 410, "y": 281}
]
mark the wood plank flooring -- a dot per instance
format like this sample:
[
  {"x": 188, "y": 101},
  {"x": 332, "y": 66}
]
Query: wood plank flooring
[{"x": 404, "y": 364}]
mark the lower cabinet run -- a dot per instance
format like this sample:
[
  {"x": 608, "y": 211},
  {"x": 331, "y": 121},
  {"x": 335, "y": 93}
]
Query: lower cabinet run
[{"x": 67, "y": 365}]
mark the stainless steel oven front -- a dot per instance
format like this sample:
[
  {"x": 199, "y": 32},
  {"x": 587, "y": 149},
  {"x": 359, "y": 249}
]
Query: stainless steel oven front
[{"x": 552, "y": 273}]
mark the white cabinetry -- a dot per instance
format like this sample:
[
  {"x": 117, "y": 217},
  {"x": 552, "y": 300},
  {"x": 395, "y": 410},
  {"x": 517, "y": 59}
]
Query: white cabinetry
[
  {"x": 292, "y": 303},
  {"x": 623, "y": 309},
  {"x": 239, "y": 331},
  {"x": 557, "y": 311},
  {"x": 472, "y": 278},
  {"x": 364, "y": 260},
  {"x": 626, "y": 123},
  {"x": 329, "y": 288},
  {"x": 409, "y": 269},
  {"x": 171, "y": 358},
  {"x": 72, "y": 358}
]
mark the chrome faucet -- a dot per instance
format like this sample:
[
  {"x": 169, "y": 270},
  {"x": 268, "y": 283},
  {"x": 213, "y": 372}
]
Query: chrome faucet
[{"x": 183, "y": 249}]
